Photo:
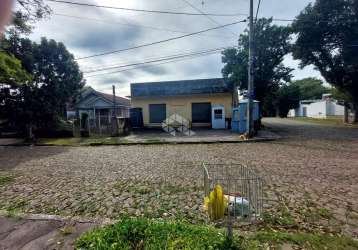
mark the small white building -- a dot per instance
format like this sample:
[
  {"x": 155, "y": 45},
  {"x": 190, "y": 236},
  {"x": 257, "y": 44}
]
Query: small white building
[{"x": 318, "y": 108}]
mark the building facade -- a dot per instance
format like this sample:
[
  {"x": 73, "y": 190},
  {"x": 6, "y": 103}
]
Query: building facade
[
  {"x": 318, "y": 108},
  {"x": 202, "y": 102},
  {"x": 99, "y": 105}
]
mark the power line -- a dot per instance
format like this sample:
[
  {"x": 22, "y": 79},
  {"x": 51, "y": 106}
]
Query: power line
[
  {"x": 152, "y": 57},
  {"x": 207, "y": 16},
  {"x": 143, "y": 10},
  {"x": 129, "y": 24},
  {"x": 160, "y": 59},
  {"x": 161, "y": 41},
  {"x": 258, "y": 9},
  {"x": 152, "y": 65},
  {"x": 149, "y": 60}
]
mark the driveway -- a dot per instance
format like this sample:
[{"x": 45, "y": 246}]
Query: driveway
[{"x": 312, "y": 174}]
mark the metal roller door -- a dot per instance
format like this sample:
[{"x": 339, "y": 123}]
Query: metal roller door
[
  {"x": 157, "y": 113},
  {"x": 201, "y": 112}
]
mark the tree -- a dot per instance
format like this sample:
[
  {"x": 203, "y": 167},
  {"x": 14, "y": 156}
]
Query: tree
[
  {"x": 271, "y": 45},
  {"x": 311, "y": 88},
  {"x": 11, "y": 71},
  {"x": 287, "y": 97},
  {"x": 327, "y": 34},
  {"x": 12, "y": 76},
  {"x": 56, "y": 78},
  {"x": 27, "y": 13}
]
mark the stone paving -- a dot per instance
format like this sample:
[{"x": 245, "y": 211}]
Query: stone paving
[
  {"x": 29, "y": 234},
  {"x": 306, "y": 170}
]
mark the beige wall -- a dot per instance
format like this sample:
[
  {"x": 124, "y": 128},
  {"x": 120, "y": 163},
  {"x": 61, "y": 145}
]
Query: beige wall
[{"x": 181, "y": 104}]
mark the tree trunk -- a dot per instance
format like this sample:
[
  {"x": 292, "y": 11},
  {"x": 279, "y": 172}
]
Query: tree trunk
[
  {"x": 31, "y": 134},
  {"x": 355, "y": 113},
  {"x": 346, "y": 113}
]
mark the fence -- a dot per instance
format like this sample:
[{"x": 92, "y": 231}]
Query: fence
[{"x": 101, "y": 125}]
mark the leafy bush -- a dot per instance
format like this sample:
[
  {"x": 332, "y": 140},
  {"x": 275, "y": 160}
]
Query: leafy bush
[{"x": 141, "y": 233}]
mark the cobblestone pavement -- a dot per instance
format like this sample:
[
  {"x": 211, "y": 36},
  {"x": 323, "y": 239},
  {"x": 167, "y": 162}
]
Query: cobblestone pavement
[{"x": 312, "y": 174}]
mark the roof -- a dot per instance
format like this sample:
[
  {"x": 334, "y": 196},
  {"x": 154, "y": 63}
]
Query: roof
[
  {"x": 180, "y": 88},
  {"x": 119, "y": 100},
  {"x": 87, "y": 91}
]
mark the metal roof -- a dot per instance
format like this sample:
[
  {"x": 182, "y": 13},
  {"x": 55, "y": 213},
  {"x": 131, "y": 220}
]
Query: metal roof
[
  {"x": 180, "y": 88},
  {"x": 88, "y": 91}
]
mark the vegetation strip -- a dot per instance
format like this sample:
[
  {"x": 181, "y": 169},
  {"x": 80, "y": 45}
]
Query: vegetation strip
[{"x": 141, "y": 233}]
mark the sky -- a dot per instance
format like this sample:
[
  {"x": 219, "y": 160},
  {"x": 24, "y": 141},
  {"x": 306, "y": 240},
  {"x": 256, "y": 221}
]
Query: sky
[{"x": 87, "y": 31}]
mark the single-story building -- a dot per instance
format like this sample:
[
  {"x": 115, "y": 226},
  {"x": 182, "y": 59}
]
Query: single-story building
[
  {"x": 100, "y": 105},
  {"x": 203, "y": 102},
  {"x": 323, "y": 108}
]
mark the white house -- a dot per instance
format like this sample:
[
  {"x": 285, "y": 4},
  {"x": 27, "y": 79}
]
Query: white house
[
  {"x": 97, "y": 104},
  {"x": 318, "y": 108}
]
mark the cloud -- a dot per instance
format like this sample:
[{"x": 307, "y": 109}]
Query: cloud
[{"x": 94, "y": 30}]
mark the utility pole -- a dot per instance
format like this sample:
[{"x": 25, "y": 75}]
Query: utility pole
[
  {"x": 114, "y": 115},
  {"x": 250, "y": 84}
]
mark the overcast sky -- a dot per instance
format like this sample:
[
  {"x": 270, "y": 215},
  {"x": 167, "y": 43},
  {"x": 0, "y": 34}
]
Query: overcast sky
[{"x": 92, "y": 30}]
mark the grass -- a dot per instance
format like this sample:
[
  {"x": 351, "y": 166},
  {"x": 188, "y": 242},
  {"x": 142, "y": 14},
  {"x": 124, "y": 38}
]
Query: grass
[
  {"x": 142, "y": 233},
  {"x": 67, "y": 230},
  {"x": 281, "y": 218},
  {"x": 330, "y": 121},
  {"x": 305, "y": 240},
  {"x": 81, "y": 141},
  {"x": 90, "y": 141},
  {"x": 5, "y": 179}
]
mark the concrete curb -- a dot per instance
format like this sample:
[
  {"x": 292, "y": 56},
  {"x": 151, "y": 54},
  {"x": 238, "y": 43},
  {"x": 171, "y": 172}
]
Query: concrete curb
[
  {"x": 50, "y": 217},
  {"x": 148, "y": 143}
]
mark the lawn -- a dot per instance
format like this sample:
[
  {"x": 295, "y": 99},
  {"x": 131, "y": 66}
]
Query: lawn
[
  {"x": 330, "y": 121},
  {"x": 142, "y": 233}
]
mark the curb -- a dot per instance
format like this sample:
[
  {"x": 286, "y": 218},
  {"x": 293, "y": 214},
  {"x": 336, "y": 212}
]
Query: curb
[
  {"x": 97, "y": 144},
  {"x": 50, "y": 217}
]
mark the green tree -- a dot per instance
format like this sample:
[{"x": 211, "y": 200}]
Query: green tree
[
  {"x": 11, "y": 71},
  {"x": 311, "y": 88},
  {"x": 56, "y": 78},
  {"x": 12, "y": 76},
  {"x": 271, "y": 45},
  {"x": 327, "y": 34},
  {"x": 287, "y": 97}
]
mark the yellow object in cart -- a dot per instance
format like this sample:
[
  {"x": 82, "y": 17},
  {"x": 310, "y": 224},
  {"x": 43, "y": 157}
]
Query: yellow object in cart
[{"x": 216, "y": 203}]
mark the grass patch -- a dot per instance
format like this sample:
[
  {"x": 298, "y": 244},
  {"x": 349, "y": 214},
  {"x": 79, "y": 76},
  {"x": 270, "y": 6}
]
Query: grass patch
[
  {"x": 67, "y": 230},
  {"x": 142, "y": 233},
  {"x": 281, "y": 218},
  {"x": 153, "y": 141},
  {"x": 81, "y": 141},
  {"x": 16, "y": 206},
  {"x": 5, "y": 179},
  {"x": 330, "y": 121},
  {"x": 305, "y": 240}
]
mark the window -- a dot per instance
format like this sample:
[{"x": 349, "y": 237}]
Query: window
[{"x": 218, "y": 114}]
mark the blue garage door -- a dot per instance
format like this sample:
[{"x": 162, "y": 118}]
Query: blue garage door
[
  {"x": 201, "y": 112},
  {"x": 157, "y": 113}
]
